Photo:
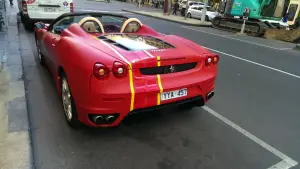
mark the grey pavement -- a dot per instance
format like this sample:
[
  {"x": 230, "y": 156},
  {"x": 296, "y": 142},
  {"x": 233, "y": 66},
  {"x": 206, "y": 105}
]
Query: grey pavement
[
  {"x": 15, "y": 145},
  {"x": 252, "y": 121}
]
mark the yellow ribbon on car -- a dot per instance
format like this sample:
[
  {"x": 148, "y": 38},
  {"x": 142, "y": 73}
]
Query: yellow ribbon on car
[{"x": 159, "y": 83}]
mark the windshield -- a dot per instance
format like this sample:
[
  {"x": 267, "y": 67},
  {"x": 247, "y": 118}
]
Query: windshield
[
  {"x": 106, "y": 20},
  {"x": 292, "y": 12},
  {"x": 210, "y": 9}
]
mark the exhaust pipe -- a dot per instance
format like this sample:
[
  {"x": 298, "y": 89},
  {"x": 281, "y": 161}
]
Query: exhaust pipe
[
  {"x": 210, "y": 95},
  {"x": 110, "y": 119},
  {"x": 98, "y": 119}
]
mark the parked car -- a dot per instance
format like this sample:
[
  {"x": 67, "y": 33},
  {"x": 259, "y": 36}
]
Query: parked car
[
  {"x": 107, "y": 66},
  {"x": 196, "y": 11},
  {"x": 43, "y": 10},
  {"x": 183, "y": 4}
]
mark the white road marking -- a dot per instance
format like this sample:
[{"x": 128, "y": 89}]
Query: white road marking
[
  {"x": 249, "y": 61},
  {"x": 285, "y": 48},
  {"x": 281, "y": 165},
  {"x": 287, "y": 161},
  {"x": 228, "y": 37}
]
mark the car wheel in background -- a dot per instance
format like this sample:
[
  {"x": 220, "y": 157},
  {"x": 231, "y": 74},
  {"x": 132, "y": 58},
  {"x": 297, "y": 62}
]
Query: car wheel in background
[{"x": 206, "y": 18}]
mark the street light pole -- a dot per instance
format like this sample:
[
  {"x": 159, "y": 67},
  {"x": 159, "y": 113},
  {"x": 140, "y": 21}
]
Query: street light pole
[{"x": 204, "y": 11}]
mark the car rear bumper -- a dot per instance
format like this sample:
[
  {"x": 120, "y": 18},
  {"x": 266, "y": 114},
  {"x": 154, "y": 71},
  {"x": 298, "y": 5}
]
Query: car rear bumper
[
  {"x": 117, "y": 106},
  {"x": 37, "y": 16},
  {"x": 89, "y": 116},
  {"x": 37, "y": 19}
]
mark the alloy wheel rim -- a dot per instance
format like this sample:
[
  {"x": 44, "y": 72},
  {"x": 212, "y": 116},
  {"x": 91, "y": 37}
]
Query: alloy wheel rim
[
  {"x": 66, "y": 98},
  {"x": 39, "y": 54},
  {"x": 39, "y": 51}
]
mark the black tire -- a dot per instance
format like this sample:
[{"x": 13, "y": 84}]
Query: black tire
[
  {"x": 206, "y": 18},
  {"x": 26, "y": 22},
  {"x": 189, "y": 15},
  {"x": 40, "y": 56},
  {"x": 73, "y": 120}
]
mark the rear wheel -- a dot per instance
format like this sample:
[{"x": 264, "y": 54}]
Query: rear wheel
[
  {"x": 206, "y": 18},
  {"x": 189, "y": 15},
  {"x": 26, "y": 22},
  {"x": 68, "y": 103}
]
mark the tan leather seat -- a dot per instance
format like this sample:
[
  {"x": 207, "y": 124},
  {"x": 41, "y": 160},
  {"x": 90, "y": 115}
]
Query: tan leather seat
[
  {"x": 90, "y": 24},
  {"x": 131, "y": 25}
]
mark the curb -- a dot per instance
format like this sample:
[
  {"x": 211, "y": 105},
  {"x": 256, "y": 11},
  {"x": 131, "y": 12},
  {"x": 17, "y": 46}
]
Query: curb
[
  {"x": 18, "y": 152},
  {"x": 166, "y": 19}
]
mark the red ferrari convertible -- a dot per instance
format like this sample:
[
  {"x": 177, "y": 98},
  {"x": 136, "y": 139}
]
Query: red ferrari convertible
[{"x": 107, "y": 66}]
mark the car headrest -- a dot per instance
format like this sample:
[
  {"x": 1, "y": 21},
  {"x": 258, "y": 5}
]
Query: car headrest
[
  {"x": 90, "y": 27},
  {"x": 90, "y": 24},
  {"x": 131, "y": 25}
]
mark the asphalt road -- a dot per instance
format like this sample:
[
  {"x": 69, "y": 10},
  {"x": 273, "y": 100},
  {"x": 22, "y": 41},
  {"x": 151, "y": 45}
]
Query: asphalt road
[{"x": 252, "y": 122}]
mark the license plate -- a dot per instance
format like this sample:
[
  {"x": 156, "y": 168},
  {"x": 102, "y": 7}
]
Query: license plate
[
  {"x": 49, "y": 10},
  {"x": 173, "y": 94}
]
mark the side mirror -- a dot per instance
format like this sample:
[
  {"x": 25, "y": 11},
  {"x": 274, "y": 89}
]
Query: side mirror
[
  {"x": 40, "y": 25},
  {"x": 58, "y": 30}
]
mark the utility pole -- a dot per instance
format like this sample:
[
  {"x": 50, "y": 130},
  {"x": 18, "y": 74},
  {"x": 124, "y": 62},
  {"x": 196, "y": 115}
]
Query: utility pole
[
  {"x": 186, "y": 9},
  {"x": 203, "y": 15},
  {"x": 166, "y": 7},
  {"x": 169, "y": 6}
]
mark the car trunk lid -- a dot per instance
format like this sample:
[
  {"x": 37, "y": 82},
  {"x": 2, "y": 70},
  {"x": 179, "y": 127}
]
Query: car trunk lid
[{"x": 152, "y": 54}]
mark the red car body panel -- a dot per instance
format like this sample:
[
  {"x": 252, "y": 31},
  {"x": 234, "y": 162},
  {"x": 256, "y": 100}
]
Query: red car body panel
[{"x": 76, "y": 51}]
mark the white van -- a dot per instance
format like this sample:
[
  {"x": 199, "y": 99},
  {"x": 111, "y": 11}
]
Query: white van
[{"x": 43, "y": 10}]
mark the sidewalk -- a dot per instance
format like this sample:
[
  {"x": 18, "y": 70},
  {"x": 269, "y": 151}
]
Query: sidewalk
[
  {"x": 15, "y": 148},
  {"x": 172, "y": 18}
]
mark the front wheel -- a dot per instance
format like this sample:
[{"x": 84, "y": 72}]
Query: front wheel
[
  {"x": 40, "y": 55},
  {"x": 68, "y": 103},
  {"x": 189, "y": 15}
]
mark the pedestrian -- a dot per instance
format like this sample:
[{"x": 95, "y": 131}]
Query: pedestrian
[
  {"x": 176, "y": 5},
  {"x": 11, "y": 2}
]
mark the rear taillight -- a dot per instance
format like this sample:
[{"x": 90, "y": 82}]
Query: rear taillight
[
  {"x": 119, "y": 69},
  {"x": 71, "y": 7},
  {"x": 100, "y": 71},
  {"x": 24, "y": 6},
  {"x": 216, "y": 59},
  {"x": 30, "y": 1},
  {"x": 211, "y": 59}
]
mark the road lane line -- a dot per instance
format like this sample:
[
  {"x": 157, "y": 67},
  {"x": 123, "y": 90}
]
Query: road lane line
[
  {"x": 228, "y": 37},
  {"x": 249, "y": 61},
  {"x": 281, "y": 165},
  {"x": 286, "y": 48},
  {"x": 288, "y": 162}
]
